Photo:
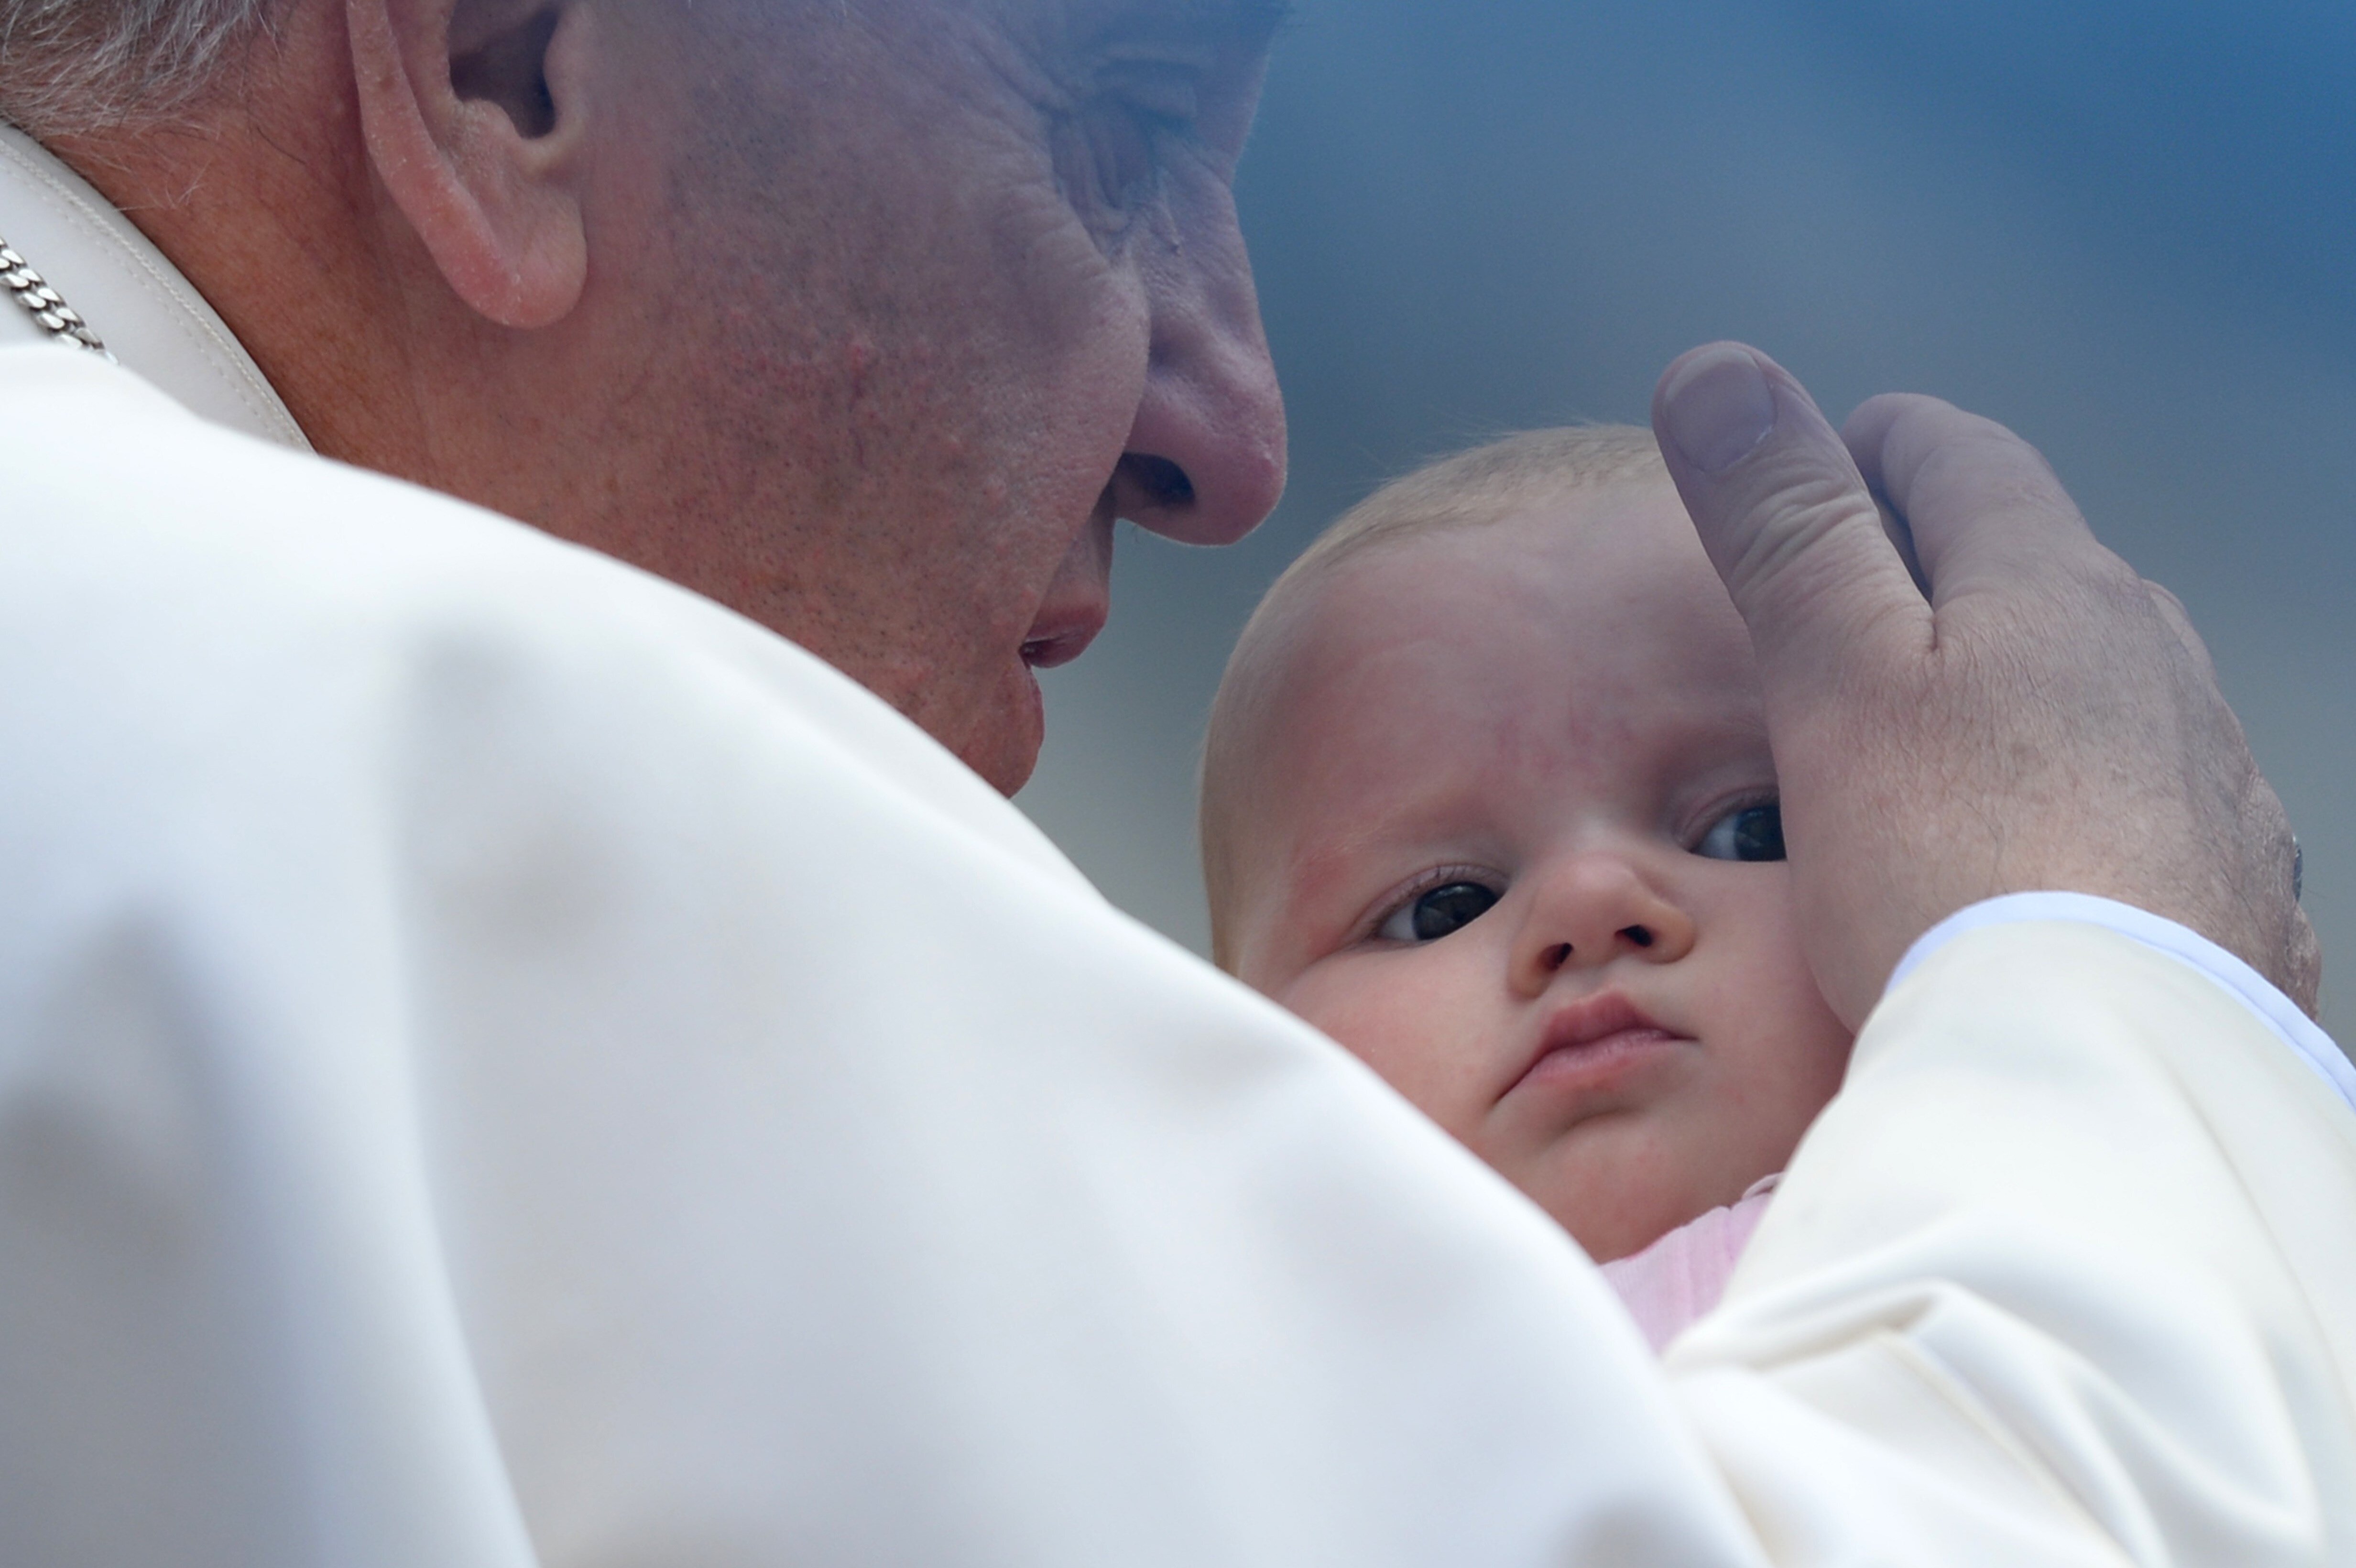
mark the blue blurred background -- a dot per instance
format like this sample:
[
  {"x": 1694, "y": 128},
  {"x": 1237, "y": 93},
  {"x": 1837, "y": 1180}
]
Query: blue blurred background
[{"x": 2127, "y": 230}]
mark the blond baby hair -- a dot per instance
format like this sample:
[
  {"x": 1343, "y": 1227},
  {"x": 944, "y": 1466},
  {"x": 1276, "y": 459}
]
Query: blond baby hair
[{"x": 1471, "y": 489}]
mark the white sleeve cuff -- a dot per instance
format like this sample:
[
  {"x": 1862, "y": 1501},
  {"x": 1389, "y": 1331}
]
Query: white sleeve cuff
[{"x": 2281, "y": 1014}]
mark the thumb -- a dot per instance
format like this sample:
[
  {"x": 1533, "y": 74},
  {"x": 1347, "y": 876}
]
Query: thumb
[{"x": 1786, "y": 518}]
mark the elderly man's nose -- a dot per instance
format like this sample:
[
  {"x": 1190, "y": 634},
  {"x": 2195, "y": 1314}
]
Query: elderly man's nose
[
  {"x": 1205, "y": 457},
  {"x": 1205, "y": 461},
  {"x": 1591, "y": 911}
]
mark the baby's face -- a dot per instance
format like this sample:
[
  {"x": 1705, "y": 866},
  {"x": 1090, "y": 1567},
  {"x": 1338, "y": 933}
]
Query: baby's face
[{"x": 1514, "y": 843}]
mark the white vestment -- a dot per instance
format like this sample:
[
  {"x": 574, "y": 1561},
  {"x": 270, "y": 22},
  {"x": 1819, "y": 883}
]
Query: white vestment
[{"x": 504, "y": 1062}]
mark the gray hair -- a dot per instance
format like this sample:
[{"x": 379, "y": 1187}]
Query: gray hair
[{"x": 72, "y": 67}]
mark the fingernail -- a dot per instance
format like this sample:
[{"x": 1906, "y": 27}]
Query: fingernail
[{"x": 1718, "y": 409}]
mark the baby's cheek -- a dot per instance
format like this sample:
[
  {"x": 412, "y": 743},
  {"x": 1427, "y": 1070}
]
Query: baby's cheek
[
  {"x": 1788, "y": 1061},
  {"x": 1396, "y": 1027},
  {"x": 1779, "y": 1052}
]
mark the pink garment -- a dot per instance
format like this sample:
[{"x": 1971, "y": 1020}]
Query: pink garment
[{"x": 1681, "y": 1276}]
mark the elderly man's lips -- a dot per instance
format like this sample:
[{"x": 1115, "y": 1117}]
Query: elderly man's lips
[
  {"x": 1046, "y": 652},
  {"x": 1060, "y": 635}
]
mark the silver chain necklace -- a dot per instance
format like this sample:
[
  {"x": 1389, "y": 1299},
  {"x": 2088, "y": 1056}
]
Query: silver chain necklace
[{"x": 45, "y": 304}]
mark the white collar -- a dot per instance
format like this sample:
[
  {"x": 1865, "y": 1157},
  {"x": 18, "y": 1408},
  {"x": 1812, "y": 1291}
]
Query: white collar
[{"x": 152, "y": 321}]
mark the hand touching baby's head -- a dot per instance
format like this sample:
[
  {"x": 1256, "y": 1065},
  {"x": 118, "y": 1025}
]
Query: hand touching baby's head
[{"x": 1488, "y": 799}]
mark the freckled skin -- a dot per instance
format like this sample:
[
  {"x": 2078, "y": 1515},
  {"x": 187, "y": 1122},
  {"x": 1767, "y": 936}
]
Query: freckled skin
[{"x": 1560, "y": 705}]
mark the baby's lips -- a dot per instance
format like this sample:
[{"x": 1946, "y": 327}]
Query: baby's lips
[{"x": 1592, "y": 1018}]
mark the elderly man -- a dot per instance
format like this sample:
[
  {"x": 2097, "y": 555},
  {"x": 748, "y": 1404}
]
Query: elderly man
[{"x": 503, "y": 1060}]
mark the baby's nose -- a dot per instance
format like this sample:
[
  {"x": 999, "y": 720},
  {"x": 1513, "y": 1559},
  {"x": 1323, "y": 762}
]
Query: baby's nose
[{"x": 1590, "y": 911}]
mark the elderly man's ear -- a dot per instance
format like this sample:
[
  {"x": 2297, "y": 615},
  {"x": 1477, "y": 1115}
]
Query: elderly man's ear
[{"x": 476, "y": 118}]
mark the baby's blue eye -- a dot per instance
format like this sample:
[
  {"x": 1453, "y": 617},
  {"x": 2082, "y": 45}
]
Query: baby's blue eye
[
  {"x": 1748, "y": 833},
  {"x": 1436, "y": 914}
]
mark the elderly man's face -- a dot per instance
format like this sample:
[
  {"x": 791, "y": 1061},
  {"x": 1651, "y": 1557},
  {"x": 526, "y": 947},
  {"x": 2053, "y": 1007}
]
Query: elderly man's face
[{"x": 922, "y": 294}]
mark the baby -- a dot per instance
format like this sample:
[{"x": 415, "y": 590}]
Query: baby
[{"x": 1487, "y": 797}]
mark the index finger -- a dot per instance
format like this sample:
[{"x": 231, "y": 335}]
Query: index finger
[{"x": 1984, "y": 508}]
